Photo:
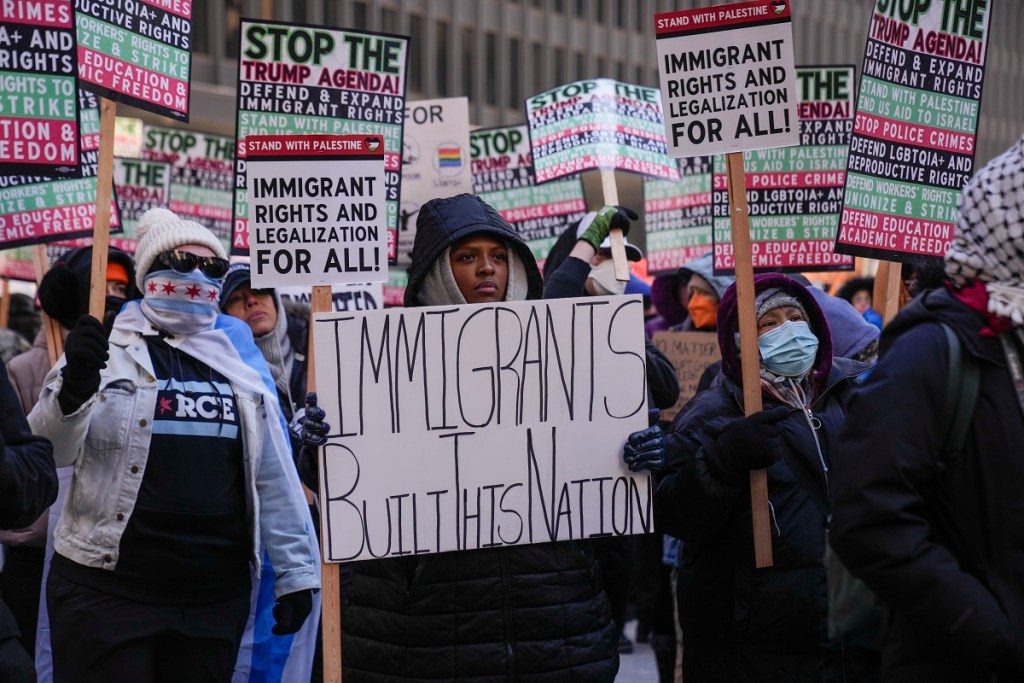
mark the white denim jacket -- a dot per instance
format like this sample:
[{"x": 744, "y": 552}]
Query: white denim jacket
[{"x": 107, "y": 440}]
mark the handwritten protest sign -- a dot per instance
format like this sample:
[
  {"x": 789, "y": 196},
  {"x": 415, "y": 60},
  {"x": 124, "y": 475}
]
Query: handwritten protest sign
[
  {"x": 138, "y": 52},
  {"x": 677, "y": 217},
  {"x": 795, "y": 194},
  {"x": 503, "y": 176},
  {"x": 362, "y": 297},
  {"x": 465, "y": 427},
  {"x": 202, "y": 175},
  {"x": 914, "y": 135},
  {"x": 141, "y": 185},
  {"x": 317, "y": 209},
  {"x": 36, "y": 210},
  {"x": 727, "y": 78},
  {"x": 435, "y": 160},
  {"x": 598, "y": 124},
  {"x": 39, "y": 111},
  {"x": 301, "y": 80},
  {"x": 691, "y": 353}
]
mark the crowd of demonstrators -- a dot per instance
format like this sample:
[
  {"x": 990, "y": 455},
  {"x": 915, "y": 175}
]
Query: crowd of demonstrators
[
  {"x": 183, "y": 474},
  {"x": 928, "y": 493}
]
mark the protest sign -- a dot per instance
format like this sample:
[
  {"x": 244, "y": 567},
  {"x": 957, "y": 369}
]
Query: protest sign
[
  {"x": 128, "y": 133},
  {"x": 362, "y": 297},
  {"x": 141, "y": 185},
  {"x": 727, "y": 78},
  {"x": 478, "y": 426},
  {"x": 913, "y": 141},
  {"x": 394, "y": 288},
  {"x": 39, "y": 111},
  {"x": 317, "y": 209},
  {"x": 301, "y": 80},
  {"x": 435, "y": 160},
  {"x": 17, "y": 264},
  {"x": 677, "y": 217},
  {"x": 795, "y": 194},
  {"x": 598, "y": 124},
  {"x": 503, "y": 176},
  {"x": 691, "y": 353},
  {"x": 202, "y": 175},
  {"x": 36, "y": 210},
  {"x": 137, "y": 52}
]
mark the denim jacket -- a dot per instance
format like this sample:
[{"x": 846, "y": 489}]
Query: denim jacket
[{"x": 107, "y": 440}]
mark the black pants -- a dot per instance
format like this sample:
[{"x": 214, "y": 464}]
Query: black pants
[{"x": 100, "y": 638}]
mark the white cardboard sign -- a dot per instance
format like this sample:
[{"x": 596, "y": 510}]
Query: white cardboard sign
[
  {"x": 479, "y": 426},
  {"x": 728, "y": 78},
  {"x": 316, "y": 209}
]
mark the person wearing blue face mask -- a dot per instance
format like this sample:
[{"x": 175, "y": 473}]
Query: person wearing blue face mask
[
  {"x": 183, "y": 475},
  {"x": 740, "y": 623}
]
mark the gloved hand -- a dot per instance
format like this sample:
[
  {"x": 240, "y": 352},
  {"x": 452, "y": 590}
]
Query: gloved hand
[
  {"x": 607, "y": 218},
  {"x": 290, "y": 612},
  {"x": 747, "y": 443},
  {"x": 314, "y": 430},
  {"x": 86, "y": 353},
  {"x": 645, "y": 450}
]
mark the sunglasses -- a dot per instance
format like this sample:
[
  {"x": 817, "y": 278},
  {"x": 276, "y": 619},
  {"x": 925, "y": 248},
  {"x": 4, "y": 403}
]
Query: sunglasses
[{"x": 185, "y": 262}]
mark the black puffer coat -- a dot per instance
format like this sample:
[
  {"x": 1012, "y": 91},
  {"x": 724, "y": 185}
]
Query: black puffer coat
[
  {"x": 524, "y": 613},
  {"x": 939, "y": 539},
  {"x": 740, "y": 623}
]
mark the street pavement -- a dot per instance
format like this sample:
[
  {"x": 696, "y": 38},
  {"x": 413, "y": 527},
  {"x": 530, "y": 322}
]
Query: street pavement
[{"x": 638, "y": 666}]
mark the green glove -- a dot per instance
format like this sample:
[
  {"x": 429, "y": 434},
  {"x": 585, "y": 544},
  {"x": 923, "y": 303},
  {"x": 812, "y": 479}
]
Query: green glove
[{"x": 604, "y": 220}]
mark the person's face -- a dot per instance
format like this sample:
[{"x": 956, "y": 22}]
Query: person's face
[
  {"x": 254, "y": 306},
  {"x": 480, "y": 266},
  {"x": 861, "y": 301},
  {"x": 698, "y": 285},
  {"x": 597, "y": 259},
  {"x": 778, "y": 316},
  {"x": 116, "y": 288}
]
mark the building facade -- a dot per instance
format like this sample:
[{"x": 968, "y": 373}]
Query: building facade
[{"x": 497, "y": 52}]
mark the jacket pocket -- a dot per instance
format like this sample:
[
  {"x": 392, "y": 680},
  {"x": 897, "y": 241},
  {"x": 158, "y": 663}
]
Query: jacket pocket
[{"x": 108, "y": 424}]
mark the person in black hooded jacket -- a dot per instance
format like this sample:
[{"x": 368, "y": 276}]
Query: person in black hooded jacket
[
  {"x": 938, "y": 536},
  {"x": 740, "y": 623},
  {"x": 520, "y": 613}
]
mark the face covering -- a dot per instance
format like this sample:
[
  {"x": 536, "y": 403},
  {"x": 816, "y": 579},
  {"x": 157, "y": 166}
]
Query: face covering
[
  {"x": 788, "y": 350},
  {"x": 603, "y": 278},
  {"x": 181, "y": 304},
  {"x": 703, "y": 311}
]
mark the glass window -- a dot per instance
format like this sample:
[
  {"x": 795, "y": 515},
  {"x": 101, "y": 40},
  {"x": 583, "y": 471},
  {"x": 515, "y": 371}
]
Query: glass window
[
  {"x": 581, "y": 8},
  {"x": 600, "y": 11},
  {"x": 389, "y": 20},
  {"x": 620, "y": 13},
  {"x": 444, "y": 37},
  {"x": 491, "y": 68},
  {"x": 416, "y": 52},
  {"x": 468, "y": 48},
  {"x": 559, "y": 66},
  {"x": 359, "y": 15},
  {"x": 559, "y": 6},
  {"x": 538, "y": 79},
  {"x": 232, "y": 19},
  {"x": 638, "y": 76},
  {"x": 299, "y": 11},
  {"x": 620, "y": 71},
  {"x": 581, "y": 67},
  {"x": 602, "y": 67},
  {"x": 200, "y": 27},
  {"x": 515, "y": 94}
]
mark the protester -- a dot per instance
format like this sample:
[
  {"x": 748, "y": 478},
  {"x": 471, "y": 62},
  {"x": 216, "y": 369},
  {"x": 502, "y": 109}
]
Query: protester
[
  {"x": 859, "y": 291},
  {"x": 182, "y": 475},
  {"x": 537, "y": 612},
  {"x": 668, "y": 296},
  {"x": 738, "y": 622},
  {"x": 64, "y": 296},
  {"x": 23, "y": 316},
  {"x": 28, "y": 485},
  {"x": 704, "y": 292},
  {"x": 931, "y": 520}
]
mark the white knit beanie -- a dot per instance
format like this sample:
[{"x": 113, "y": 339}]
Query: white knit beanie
[{"x": 160, "y": 230}]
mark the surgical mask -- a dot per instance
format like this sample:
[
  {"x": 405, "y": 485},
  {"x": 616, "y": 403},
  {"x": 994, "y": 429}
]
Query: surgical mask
[
  {"x": 703, "y": 311},
  {"x": 603, "y": 278},
  {"x": 181, "y": 304},
  {"x": 788, "y": 350}
]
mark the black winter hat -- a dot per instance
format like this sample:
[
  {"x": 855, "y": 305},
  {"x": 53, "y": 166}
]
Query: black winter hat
[{"x": 64, "y": 290}]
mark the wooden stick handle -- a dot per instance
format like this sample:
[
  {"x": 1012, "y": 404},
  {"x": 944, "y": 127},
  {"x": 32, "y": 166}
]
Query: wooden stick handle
[
  {"x": 749, "y": 354},
  {"x": 104, "y": 190},
  {"x": 610, "y": 194},
  {"x": 51, "y": 328},
  {"x": 330, "y": 578},
  {"x": 5, "y": 302},
  {"x": 886, "y": 296}
]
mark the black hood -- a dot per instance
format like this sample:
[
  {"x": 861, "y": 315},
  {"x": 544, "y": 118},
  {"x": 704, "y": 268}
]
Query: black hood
[{"x": 443, "y": 222}]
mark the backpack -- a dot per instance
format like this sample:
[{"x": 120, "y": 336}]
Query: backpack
[{"x": 963, "y": 377}]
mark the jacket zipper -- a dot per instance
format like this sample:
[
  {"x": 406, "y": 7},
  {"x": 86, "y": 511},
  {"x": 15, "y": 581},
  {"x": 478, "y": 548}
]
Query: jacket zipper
[{"x": 506, "y": 613}]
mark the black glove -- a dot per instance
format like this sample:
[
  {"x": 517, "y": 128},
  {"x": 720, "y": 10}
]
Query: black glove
[
  {"x": 747, "y": 443},
  {"x": 86, "y": 354},
  {"x": 314, "y": 429},
  {"x": 607, "y": 218},
  {"x": 290, "y": 612},
  {"x": 645, "y": 450}
]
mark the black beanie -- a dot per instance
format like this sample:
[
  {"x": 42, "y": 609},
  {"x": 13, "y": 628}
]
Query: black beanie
[{"x": 64, "y": 290}]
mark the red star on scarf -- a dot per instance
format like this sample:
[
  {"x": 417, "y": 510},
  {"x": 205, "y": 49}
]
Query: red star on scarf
[
  {"x": 212, "y": 295},
  {"x": 152, "y": 286},
  {"x": 192, "y": 291},
  {"x": 168, "y": 288}
]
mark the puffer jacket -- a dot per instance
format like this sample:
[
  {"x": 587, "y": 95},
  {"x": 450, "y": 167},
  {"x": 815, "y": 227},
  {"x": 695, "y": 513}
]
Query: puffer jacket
[
  {"x": 940, "y": 539},
  {"x": 521, "y": 613},
  {"x": 741, "y": 623}
]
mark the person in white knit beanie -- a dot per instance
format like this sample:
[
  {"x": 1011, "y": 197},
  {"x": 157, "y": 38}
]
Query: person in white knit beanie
[{"x": 183, "y": 475}]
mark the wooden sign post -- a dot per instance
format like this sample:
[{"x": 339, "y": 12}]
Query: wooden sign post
[
  {"x": 5, "y": 301},
  {"x": 51, "y": 328},
  {"x": 104, "y": 189},
  {"x": 886, "y": 295},
  {"x": 611, "y": 196}
]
